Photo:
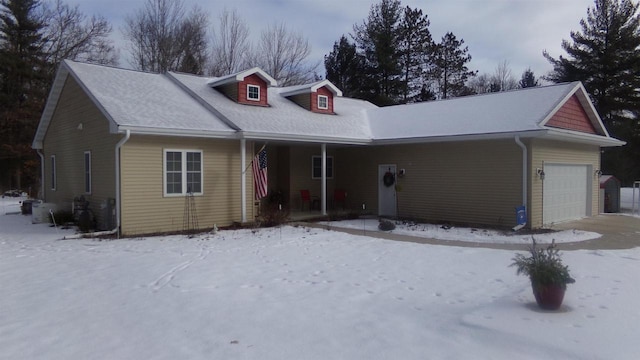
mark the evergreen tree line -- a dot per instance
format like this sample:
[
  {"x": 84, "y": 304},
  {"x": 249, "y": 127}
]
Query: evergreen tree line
[
  {"x": 605, "y": 55},
  {"x": 392, "y": 58},
  {"x": 34, "y": 38}
]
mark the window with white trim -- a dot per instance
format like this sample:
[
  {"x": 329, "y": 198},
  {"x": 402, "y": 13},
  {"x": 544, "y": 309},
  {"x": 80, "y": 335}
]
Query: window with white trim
[
  {"x": 182, "y": 172},
  {"x": 323, "y": 102},
  {"x": 316, "y": 167},
  {"x": 253, "y": 92},
  {"x": 87, "y": 172},
  {"x": 53, "y": 172}
]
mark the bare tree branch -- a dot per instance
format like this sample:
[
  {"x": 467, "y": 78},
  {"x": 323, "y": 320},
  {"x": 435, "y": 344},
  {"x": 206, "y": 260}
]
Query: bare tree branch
[{"x": 230, "y": 46}]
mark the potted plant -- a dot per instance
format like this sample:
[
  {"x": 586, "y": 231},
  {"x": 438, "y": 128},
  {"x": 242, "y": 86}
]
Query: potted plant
[{"x": 549, "y": 277}]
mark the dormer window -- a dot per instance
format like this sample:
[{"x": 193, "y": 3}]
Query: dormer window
[
  {"x": 323, "y": 102},
  {"x": 253, "y": 92}
]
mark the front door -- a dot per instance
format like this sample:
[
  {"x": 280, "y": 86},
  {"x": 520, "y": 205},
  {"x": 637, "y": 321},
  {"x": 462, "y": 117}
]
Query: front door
[{"x": 387, "y": 190}]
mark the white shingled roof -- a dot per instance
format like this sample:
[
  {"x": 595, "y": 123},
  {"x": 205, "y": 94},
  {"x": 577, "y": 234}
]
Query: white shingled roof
[
  {"x": 181, "y": 104},
  {"x": 284, "y": 119},
  {"x": 505, "y": 112}
]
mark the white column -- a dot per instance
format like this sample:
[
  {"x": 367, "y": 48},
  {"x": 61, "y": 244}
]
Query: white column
[
  {"x": 324, "y": 179},
  {"x": 243, "y": 182}
]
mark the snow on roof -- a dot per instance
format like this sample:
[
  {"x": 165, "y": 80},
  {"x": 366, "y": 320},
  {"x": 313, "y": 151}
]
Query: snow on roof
[
  {"x": 308, "y": 88},
  {"x": 504, "y": 112},
  {"x": 183, "y": 104},
  {"x": 145, "y": 100},
  {"x": 284, "y": 118},
  {"x": 213, "y": 82}
]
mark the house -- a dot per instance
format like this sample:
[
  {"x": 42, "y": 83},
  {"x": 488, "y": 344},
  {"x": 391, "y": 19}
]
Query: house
[{"x": 140, "y": 146}]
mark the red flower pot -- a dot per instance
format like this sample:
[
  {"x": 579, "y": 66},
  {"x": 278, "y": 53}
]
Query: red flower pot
[{"x": 548, "y": 297}]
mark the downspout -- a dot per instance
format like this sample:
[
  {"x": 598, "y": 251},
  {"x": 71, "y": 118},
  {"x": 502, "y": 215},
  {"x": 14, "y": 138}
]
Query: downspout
[
  {"x": 524, "y": 177},
  {"x": 323, "y": 187},
  {"x": 243, "y": 181},
  {"x": 41, "y": 173},
  {"x": 117, "y": 228},
  {"x": 118, "y": 205}
]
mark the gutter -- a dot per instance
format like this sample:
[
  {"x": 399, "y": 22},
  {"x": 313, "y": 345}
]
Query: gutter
[
  {"x": 118, "y": 204},
  {"x": 524, "y": 178}
]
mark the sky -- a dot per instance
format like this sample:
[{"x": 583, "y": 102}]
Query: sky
[{"x": 516, "y": 31}]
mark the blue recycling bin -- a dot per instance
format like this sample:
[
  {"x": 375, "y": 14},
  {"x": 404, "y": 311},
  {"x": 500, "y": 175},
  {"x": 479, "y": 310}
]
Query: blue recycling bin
[{"x": 521, "y": 215}]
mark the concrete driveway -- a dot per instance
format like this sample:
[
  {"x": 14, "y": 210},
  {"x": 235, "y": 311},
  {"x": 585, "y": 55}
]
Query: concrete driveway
[{"x": 618, "y": 232}]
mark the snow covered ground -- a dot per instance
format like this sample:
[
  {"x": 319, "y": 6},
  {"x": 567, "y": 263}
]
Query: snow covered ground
[
  {"x": 298, "y": 293},
  {"x": 440, "y": 232}
]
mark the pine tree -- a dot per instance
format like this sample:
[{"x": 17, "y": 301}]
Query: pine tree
[
  {"x": 528, "y": 79},
  {"x": 415, "y": 45},
  {"x": 22, "y": 89},
  {"x": 344, "y": 67},
  {"x": 605, "y": 56},
  {"x": 449, "y": 67},
  {"x": 377, "y": 38}
]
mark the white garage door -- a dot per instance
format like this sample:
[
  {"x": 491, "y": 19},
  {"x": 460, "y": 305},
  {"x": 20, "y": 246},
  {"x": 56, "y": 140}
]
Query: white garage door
[{"x": 565, "y": 192}]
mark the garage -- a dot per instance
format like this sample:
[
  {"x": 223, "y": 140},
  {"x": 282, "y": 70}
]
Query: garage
[{"x": 565, "y": 192}]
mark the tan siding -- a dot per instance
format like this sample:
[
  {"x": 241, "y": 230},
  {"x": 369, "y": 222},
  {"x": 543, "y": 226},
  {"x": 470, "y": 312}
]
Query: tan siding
[
  {"x": 304, "y": 100},
  {"x": 544, "y": 151},
  {"x": 230, "y": 90},
  {"x": 470, "y": 182},
  {"x": 301, "y": 174},
  {"x": 68, "y": 144},
  {"x": 146, "y": 210}
]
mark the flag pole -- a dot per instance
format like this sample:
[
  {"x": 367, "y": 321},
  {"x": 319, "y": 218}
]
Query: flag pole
[{"x": 251, "y": 163}]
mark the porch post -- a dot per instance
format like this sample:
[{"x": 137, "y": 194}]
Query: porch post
[
  {"x": 243, "y": 182},
  {"x": 324, "y": 179}
]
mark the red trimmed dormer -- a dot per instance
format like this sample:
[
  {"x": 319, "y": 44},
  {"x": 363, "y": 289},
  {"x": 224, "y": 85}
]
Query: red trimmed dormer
[
  {"x": 572, "y": 116},
  {"x": 317, "y": 97},
  {"x": 248, "y": 87}
]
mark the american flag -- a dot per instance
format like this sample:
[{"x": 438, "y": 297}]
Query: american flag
[{"x": 260, "y": 174}]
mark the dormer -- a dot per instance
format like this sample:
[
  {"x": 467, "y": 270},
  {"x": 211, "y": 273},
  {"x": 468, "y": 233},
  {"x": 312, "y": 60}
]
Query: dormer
[
  {"x": 247, "y": 87},
  {"x": 316, "y": 97}
]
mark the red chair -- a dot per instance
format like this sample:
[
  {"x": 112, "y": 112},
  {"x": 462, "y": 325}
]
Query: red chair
[
  {"x": 305, "y": 197},
  {"x": 339, "y": 196}
]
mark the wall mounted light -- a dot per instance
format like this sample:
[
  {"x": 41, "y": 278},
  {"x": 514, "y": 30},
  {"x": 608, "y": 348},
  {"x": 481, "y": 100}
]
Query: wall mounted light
[
  {"x": 402, "y": 172},
  {"x": 540, "y": 173},
  {"x": 80, "y": 126},
  {"x": 598, "y": 172}
]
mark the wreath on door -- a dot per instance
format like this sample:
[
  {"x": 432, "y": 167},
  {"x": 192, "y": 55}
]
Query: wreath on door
[{"x": 388, "y": 179}]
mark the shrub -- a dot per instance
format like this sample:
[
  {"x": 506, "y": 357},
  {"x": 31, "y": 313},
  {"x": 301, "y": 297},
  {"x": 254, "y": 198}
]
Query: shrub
[
  {"x": 273, "y": 216},
  {"x": 386, "y": 225}
]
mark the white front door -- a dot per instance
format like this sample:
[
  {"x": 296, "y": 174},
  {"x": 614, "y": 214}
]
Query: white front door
[
  {"x": 387, "y": 191},
  {"x": 566, "y": 192}
]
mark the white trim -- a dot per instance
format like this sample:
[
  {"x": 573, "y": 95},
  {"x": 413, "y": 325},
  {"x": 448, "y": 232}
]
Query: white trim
[
  {"x": 54, "y": 174},
  {"x": 323, "y": 185},
  {"x": 581, "y": 93},
  {"x": 87, "y": 171},
  {"x": 311, "y": 88},
  {"x": 243, "y": 180},
  {"x": 319, "y": 157},
  {"x": 183, "y": 171},
  {"x": 250, "y": 86},
  {"x": 241, "y": 76},
  {"x": 326, "y": 99}
]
